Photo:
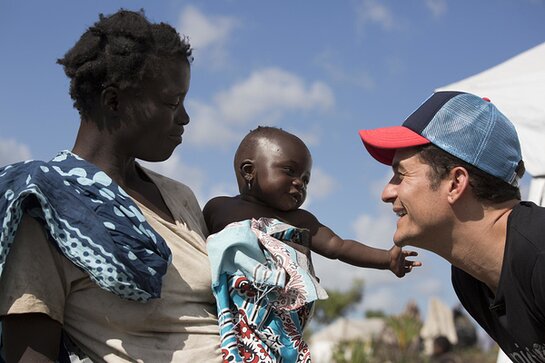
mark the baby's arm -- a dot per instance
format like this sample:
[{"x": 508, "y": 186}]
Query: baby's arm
[{"x": 328, "y": 244}]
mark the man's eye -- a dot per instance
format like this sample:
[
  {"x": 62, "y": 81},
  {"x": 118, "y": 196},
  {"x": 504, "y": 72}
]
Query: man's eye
[{"x": 398, "y": 175}]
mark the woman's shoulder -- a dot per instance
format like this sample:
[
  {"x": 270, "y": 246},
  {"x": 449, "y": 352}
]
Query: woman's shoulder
[{"x": 165, "y": 183}]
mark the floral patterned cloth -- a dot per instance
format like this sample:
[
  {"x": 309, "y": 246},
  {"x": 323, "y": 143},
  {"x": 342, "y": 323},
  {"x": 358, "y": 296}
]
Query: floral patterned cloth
[{"x": 265, "y": 290}]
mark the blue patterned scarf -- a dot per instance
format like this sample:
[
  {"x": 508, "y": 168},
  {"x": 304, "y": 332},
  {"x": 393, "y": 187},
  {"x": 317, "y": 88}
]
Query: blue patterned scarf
[{"x": 89, "y": 218}]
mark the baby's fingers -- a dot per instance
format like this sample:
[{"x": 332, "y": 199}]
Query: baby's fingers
[
  {"x": 408, "y": 253},
  {"x": 413, "y": 263}
]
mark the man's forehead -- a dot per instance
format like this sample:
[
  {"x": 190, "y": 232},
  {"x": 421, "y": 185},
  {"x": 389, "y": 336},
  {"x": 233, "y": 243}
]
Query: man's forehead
[{"x": 403, "y": 156}]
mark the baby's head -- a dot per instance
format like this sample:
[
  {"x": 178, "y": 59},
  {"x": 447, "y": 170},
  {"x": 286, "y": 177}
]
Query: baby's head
[{"x": 273, "y": 168}]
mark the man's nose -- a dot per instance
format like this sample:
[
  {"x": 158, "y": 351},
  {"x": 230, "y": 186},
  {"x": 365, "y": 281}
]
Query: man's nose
[{"x": 389, "y": 193}]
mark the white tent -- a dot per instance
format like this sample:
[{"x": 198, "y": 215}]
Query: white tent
[
  {"x": 517, "y": 88},
  {"x": 323, "y": 342},
  {"x": 439, "y": 321}
]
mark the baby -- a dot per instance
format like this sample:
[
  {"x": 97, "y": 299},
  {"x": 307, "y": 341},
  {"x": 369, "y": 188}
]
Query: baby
[{"x": 273, "y": 169}]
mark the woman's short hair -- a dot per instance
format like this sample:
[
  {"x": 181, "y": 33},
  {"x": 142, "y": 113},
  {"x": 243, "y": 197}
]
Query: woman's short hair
[{"x": 119, "y": 49}]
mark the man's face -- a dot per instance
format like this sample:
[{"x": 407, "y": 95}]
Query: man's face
[{"x": 421, "y": 210}]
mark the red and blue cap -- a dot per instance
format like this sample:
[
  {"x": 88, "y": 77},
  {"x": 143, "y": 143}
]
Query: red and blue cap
[{"x": 464, "y": 125}]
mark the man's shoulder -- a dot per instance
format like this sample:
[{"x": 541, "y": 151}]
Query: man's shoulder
[
  {"x": 526, "y": 209},
  {"x": 526, "y": 222}
]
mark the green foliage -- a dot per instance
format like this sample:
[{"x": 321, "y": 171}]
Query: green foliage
[
  {"x": 398, "y": 344},
  {"x": 354, "y": 351},
  {"x": 338, "y": 303},
  {"x": 375, "y": 314},
  {"x": 406, "y": 330}
]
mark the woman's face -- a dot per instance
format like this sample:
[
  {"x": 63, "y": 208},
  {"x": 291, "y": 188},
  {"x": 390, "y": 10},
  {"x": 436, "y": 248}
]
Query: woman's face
[{"x": 155, "y": 116}]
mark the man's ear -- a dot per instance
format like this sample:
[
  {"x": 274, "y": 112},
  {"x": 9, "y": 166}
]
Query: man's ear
[{"x": 458, "y": 183}]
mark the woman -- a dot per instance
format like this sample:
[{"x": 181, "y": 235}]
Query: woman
[{"x": 108, "y": 259}]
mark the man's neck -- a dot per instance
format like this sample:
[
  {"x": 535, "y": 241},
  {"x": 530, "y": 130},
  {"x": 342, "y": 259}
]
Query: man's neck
[{"x": 478, "y": 245}]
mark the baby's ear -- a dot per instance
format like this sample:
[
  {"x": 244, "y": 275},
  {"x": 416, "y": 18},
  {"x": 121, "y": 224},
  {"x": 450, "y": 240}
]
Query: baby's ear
[{"x": 247, "y": 169}]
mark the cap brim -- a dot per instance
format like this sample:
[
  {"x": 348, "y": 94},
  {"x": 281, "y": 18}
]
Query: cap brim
[{"x": 382, "y": 143}]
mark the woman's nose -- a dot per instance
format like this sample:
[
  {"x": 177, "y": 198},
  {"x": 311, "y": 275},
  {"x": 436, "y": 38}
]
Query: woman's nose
[{"x": 182, "y": 117}]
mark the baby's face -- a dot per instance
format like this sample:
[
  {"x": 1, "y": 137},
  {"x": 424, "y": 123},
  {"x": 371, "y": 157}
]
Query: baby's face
[{"x": 282, "y": 168}]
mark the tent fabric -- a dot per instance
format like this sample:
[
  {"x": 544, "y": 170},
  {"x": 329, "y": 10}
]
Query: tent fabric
[
  {"x": 439, "y": 321},
  {"x": 517, "y": 88}
]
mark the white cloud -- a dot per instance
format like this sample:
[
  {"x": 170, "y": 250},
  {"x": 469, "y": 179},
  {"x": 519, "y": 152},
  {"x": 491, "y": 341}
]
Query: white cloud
[
  {"x": 208, "y": 35},
  {"x": 437, "y": 7},
  {"x": 375, "y": 230},
  {"x": 261, "y": 99},
  {"x": 373, "y": 12},
  {"x": 321, "y": 184},
  {"x": 208, "y": 128},
  {"x": 12, "y": 151},
  {"x": 271, "y": 90}
]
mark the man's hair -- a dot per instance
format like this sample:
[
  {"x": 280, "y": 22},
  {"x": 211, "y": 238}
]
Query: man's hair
[
  {"x": 486, "y": 187},
  {"x": 119, "y": 49}
]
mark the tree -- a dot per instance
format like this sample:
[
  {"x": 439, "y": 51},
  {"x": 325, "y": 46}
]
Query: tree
[{"x": 375, "y": 314}]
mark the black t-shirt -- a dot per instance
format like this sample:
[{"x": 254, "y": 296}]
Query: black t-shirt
[{"x": 515, "y": 317}]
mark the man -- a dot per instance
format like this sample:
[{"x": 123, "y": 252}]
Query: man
[{"x": 457, "y": 162}]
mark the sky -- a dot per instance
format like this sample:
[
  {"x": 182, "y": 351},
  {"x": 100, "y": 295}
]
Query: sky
[{"x": 320, "y": 69}]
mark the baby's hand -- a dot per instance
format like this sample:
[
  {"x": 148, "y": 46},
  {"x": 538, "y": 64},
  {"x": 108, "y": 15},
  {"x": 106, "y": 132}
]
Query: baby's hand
[{"x": 399, "y": 265}]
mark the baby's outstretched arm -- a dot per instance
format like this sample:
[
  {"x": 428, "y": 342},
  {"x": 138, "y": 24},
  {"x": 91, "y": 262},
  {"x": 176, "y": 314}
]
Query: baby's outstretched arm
[{"x": 328, "y": 244}]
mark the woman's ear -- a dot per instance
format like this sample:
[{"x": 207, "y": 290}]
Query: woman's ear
[
  {"x": 109, "y": 99},
  {"x": 111, "y": 108},
  {"x": 458, "y": 183}
]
